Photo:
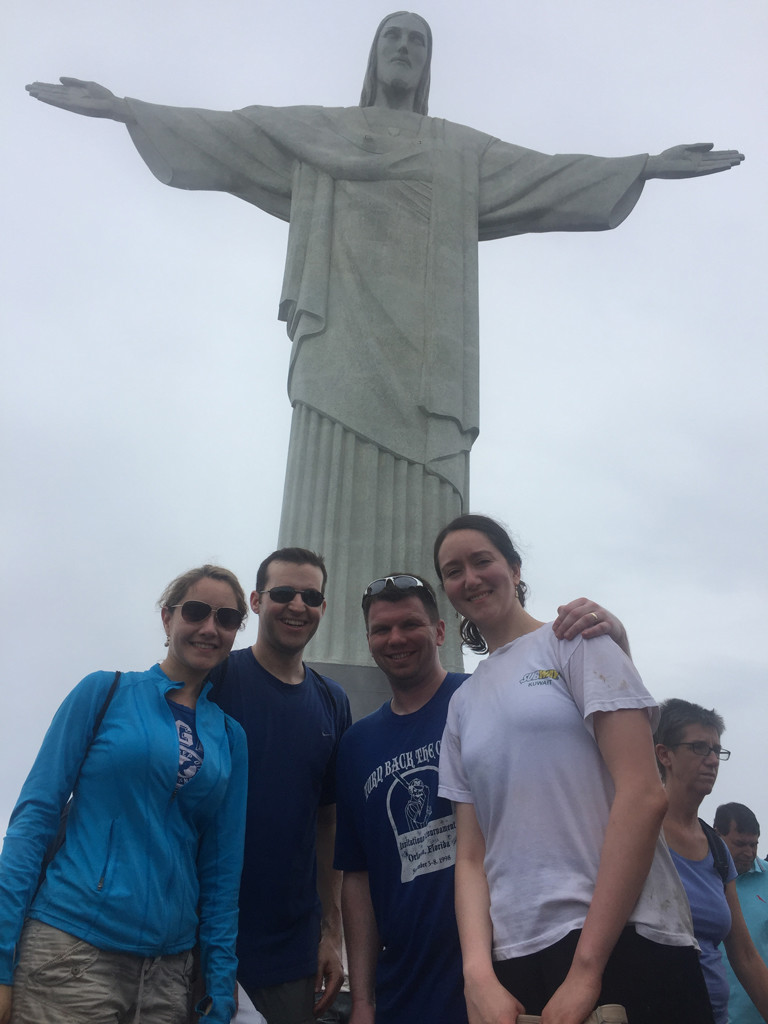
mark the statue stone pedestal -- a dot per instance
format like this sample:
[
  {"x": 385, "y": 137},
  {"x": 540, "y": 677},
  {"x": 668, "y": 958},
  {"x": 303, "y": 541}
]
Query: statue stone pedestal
[{"x": 366, "y": 686}]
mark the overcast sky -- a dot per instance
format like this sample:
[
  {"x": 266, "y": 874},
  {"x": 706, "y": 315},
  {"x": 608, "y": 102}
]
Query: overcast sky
[{"x": 623, "y": 374}]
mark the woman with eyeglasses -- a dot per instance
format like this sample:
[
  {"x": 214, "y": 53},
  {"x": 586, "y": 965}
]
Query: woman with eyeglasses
[
  {"x": 566, "y": 897},
  {"x": 151, "y": 862},
  {"x": 689, "y": 753}
]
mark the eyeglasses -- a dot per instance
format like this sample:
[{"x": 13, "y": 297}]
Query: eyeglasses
[
  {"x": 399, "y": 583},
  {"x": 702, "y": 749},
  {"x": 198, "y": 611},
  {"x": 284, "y": 595}
]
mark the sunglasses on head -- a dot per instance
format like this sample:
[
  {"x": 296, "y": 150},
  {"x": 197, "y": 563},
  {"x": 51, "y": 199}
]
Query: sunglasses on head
[
  {"x": 284, "y": 595},
  {"x": 401, "y": 582},
  {"x": 198, "y": 611}
]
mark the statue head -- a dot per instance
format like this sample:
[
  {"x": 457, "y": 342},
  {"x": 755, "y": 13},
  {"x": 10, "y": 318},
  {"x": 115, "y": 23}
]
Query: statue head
[{"x": 371, "y": 81}]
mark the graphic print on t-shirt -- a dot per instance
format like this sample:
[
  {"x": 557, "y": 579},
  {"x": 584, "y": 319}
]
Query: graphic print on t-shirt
[
  {"x": 423, "y": 843},
  {"x": 190, "y": 747},
  {"x": 190, "y": 752}
]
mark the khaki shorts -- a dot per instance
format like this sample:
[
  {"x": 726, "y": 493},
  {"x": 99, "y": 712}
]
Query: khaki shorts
[{"x": 62, "y": 980}]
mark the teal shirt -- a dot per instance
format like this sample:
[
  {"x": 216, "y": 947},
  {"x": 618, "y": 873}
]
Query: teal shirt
[{"x": 752, "y": 888}]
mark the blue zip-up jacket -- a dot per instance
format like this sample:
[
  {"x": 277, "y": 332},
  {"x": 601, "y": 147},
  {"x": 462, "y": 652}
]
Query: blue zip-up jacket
[{"x": 145, "y": 869}]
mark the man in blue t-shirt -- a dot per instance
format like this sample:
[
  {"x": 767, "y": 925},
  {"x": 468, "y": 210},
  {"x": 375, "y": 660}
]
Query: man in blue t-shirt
[
  {"x": 289, "y": 937},
  {"x": 395, "y": 838},
  {"x": 740, "y": 831}
]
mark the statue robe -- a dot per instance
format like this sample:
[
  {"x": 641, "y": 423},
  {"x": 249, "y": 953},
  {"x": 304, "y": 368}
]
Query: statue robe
[{"x": 380, "y": 299}]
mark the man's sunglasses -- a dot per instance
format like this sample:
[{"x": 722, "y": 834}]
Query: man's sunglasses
[
  {"x": 284, "y": 595},
  {"x": 198, "y": 611},
  {"x": 402, "y": 582}
]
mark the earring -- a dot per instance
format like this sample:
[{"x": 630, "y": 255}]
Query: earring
[{"x": 167, "y": 642}]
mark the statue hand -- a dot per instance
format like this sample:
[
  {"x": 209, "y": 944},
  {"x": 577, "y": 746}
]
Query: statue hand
[
  {"x": 691, "y": 161},
  {"x": 88, "y": 98}
]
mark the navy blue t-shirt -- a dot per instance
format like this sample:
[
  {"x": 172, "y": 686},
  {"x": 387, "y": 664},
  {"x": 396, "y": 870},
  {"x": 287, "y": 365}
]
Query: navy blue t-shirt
[
  {"x": 293, "y": 733},
  {"x": 190, "y": 748},
  {"x": 391, "y": 823}
]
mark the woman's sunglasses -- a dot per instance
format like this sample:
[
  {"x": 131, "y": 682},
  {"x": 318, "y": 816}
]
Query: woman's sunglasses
[{"x": 198, "y": 611}]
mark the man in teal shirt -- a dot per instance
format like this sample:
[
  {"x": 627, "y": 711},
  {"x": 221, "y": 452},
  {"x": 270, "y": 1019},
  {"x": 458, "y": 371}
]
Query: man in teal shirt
[{"x": 740, "y": 831}]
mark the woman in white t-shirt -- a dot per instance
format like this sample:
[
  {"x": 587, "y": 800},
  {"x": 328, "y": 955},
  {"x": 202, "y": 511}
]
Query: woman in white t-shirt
[{"x": 566, "y": 897}]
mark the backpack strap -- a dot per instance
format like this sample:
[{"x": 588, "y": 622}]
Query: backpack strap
[
  {"x": 61, "y": 834},
  {"x": 718, "y": 849},
  {"x": 324, "y": 683},
  {"x": 103, "y": 709}
]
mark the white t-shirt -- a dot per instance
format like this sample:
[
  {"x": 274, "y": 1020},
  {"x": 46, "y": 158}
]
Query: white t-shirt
[
  {"x": 246, "y": 1011},
  {"x": 519, "y": 745}
]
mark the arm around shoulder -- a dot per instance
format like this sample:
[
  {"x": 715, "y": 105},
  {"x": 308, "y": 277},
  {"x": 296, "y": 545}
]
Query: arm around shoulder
[{"x": 589, "y": 619}]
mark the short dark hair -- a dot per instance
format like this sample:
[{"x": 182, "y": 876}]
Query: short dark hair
[
  {"x": 740, "y": 816},
  {"x": 676, "y": 716},
  {"x": 471, "y": 636},
  {"x": 296, "y": 556},
  {"x": 393, "y": 594}
]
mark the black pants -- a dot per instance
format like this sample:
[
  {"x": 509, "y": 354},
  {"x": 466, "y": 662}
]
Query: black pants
[{"x": 655, "y": 984}]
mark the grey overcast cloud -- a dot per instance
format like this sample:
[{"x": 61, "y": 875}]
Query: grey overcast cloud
[{"x": 623, "y": 375}]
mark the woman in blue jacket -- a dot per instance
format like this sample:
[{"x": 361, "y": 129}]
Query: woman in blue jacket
[{"x": 154, "y": 843}]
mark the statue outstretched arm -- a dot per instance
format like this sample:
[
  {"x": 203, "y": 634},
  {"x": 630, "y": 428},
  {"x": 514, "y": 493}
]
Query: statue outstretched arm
[
  {"x": 87, "y": 98},
  {"x": 691, "y": 161}
]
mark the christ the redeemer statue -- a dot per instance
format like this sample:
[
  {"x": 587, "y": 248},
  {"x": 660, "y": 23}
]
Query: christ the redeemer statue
[{"x": 380, "y": 294}]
